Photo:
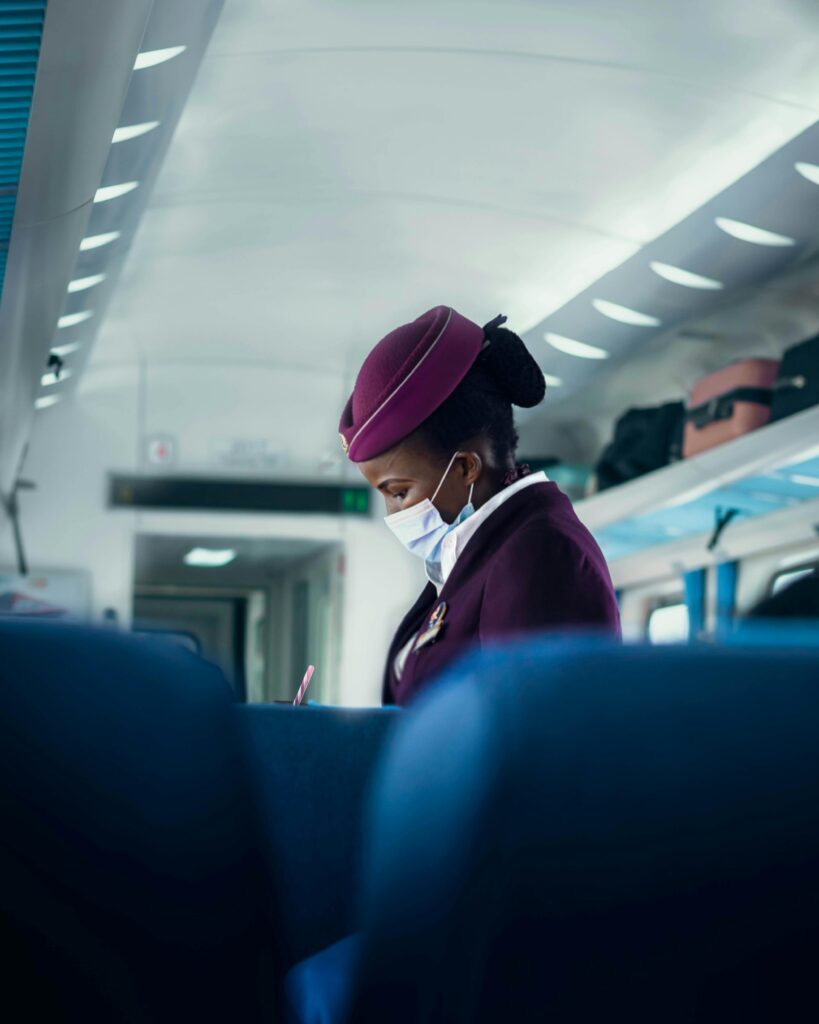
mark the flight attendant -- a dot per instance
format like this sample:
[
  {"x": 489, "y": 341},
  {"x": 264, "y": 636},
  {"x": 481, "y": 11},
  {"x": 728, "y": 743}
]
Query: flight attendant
[{"x": 430, "y": 425}]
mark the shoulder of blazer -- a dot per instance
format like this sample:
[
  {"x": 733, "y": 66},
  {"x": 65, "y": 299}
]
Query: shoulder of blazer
[{"x": 541, "y": 501}]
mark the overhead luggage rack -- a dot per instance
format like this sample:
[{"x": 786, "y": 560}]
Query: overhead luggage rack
[{"x": 774, "y": 470}]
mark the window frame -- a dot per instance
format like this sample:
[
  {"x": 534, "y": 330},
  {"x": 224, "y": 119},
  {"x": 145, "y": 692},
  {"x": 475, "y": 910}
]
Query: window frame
[{"x": 792, "y": 570}]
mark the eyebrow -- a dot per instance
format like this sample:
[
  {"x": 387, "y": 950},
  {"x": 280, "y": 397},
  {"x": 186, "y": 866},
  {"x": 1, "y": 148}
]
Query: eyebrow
[{"x": 393, "y": 480}]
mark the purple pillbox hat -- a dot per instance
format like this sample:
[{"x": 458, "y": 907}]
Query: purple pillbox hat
[{"x": 407, "y": 376}]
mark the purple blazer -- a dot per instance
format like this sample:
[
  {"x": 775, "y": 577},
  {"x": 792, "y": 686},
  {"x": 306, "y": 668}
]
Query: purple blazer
[{"x": 531, "y": 567}]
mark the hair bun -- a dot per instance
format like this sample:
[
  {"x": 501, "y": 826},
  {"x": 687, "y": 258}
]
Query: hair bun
[{"x": 512, "y": 367}]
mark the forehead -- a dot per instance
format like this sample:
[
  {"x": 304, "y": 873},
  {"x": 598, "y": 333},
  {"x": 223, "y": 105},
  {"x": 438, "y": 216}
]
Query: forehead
[{"x": 406, "y": 461}]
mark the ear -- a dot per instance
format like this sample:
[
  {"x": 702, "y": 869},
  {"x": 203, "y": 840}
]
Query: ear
[{"x": 471, "y": 467}]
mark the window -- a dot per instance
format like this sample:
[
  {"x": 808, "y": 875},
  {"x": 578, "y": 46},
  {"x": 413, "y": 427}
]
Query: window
[
  {"x": 668, "y": 624},
  {"x": 784, "y": 579}
]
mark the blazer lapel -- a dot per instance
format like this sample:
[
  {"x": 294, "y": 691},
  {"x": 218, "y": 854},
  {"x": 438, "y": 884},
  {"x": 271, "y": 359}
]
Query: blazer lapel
[{"x": 410, "y": 624}]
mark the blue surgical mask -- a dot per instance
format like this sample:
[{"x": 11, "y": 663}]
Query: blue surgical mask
[{"x": 421, "y": 529}]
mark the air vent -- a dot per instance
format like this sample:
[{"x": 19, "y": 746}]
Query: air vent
[{"x": 21, "y": 31}]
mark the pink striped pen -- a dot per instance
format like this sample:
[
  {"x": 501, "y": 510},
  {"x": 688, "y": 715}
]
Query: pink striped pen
[{"x": 308, "y": 675}]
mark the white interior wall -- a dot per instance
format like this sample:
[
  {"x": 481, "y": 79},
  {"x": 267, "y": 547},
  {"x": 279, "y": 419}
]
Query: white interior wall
[
  {"x": 290, "y": 412},
  {"x": 65, "y": 522}
]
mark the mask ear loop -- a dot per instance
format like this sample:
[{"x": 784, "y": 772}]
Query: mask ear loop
[{"x": 446, "y": 473}]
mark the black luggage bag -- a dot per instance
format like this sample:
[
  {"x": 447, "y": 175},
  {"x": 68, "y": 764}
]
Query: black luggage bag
[
  {"x": 797, "y": 385},
  {"x": 644, "y": 440}
]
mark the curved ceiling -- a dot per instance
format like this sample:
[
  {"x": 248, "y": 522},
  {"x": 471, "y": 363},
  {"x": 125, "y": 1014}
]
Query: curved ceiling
[{"x": 340, "y": 168}]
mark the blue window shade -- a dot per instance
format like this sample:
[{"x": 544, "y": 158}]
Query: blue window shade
[
  {"x": 727, "y": 575},
  {"x": 21, "y": 31},
  {"x": 695, "y": 599}
]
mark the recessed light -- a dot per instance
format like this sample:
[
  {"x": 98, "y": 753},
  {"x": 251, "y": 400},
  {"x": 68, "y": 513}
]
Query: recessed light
[
  {"x": 210, "y": 558},
  {"x": 625, "y": 315},
  {"x": 806, "y": 481},
  {"x": 108, "y": 192},
  {"x": 72, "y": 319},
  {"x": 553, "y": 382},
  {"x": 809, "y": 171},
  {"x": 46, "y": 401},
  {"x": 133, "y": 131},
  {"x": 51, "y": 378},
  {"x": 81, "y": 284},
  {"x": 750, "y": 233},
  {"x": 66, "y": 350},
  {"x": 676, "y": 275},
  {"x": 575, "y": 348},
  {"x": 96, "y": 241},
  {"x": 149, "y": 58}
]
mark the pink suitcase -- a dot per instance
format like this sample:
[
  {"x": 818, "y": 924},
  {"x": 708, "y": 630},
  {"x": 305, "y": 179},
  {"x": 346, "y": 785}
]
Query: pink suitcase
[{"x": 728, "y": 404}]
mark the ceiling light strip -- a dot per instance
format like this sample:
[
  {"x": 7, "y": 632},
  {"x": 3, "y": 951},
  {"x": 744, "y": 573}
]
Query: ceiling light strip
[
  {"x": 572, "y": 347},
  {"x": 150, "y": 58},
  {"x": 625, "y": 315},
  {"x": 133, "y": 131},
  {"x": 96, "y": 241},
  {"x": 750, "y": 233},
  {"x": 685, "y": 278},
  {"x": 808, "y": 171}
]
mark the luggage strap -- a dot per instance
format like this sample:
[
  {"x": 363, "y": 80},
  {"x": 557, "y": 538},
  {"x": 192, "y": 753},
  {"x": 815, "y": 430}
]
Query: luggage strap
[{"x": 722, "y": 407}]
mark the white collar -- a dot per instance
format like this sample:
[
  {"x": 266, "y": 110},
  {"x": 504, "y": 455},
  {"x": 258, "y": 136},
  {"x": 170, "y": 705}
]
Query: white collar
[{"x": 454, "y": 543}]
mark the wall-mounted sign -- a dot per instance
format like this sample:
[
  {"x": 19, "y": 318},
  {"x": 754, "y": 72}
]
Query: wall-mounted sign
[
  {"x": 246, "y": 453},
  {"x": 218, "y": 494},
  {"x": 161, "y": 450}
]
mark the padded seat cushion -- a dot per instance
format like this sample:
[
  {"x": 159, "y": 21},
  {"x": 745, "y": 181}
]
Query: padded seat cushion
[
  {"x": 311, "y": 769},
  {"x": 129, "y": 878},
  {"x": 585, "y": 832}
]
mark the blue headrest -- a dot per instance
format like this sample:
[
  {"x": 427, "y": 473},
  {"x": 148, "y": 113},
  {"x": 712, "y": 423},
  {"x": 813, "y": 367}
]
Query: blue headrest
[
  {"x": 128, "y": 873},
  {"x": 586, "y": 832}
]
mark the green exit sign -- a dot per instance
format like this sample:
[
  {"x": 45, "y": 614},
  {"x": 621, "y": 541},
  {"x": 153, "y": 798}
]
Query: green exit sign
[{"x": 356, "y": 500}]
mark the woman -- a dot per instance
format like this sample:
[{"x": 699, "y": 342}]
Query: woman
[{"x": 430, "y": 425}]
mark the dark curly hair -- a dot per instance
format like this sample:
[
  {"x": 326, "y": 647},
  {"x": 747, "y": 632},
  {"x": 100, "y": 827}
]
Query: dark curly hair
[{"x": 504, "y": 374}]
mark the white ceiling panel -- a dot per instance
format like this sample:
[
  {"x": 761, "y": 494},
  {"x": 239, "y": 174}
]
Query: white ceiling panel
[{"x": 340, "y": 168}]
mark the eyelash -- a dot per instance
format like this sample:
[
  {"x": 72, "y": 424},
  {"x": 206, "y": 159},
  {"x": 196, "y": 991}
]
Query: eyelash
[{"x": 399, "y": 495}]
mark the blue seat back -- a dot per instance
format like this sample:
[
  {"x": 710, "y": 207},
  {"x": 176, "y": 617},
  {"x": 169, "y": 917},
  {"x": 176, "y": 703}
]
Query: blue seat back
[
  {"x": 590, "y": 833},
  {"x": 129, "y": 878},
  {"x": 311, "y": 769}
]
